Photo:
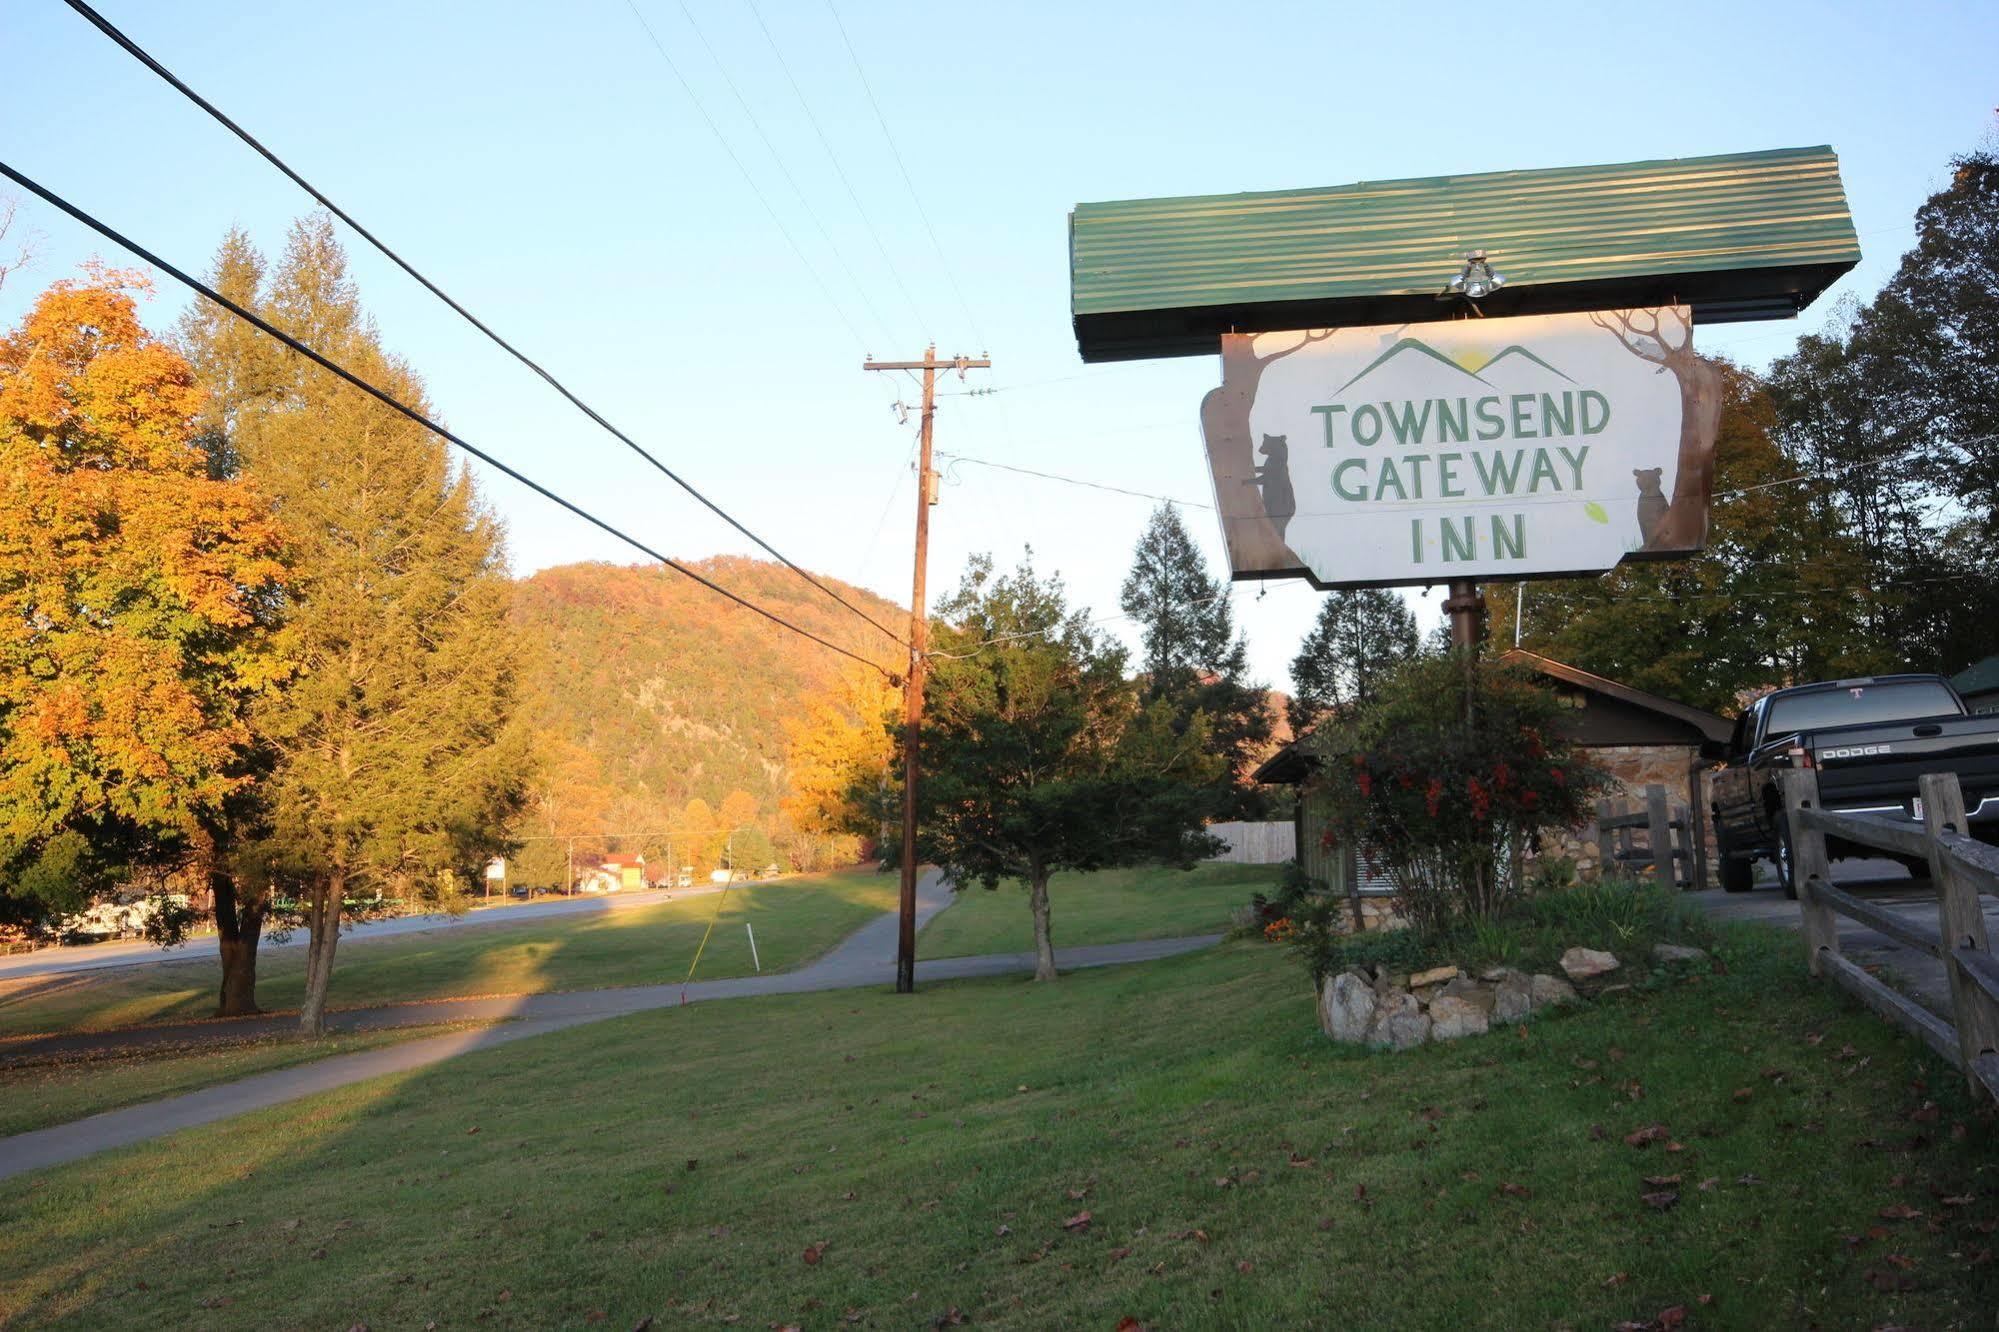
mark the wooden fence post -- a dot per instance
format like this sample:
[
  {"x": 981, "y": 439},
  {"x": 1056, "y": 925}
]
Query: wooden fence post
[
  {"x": 1961, "y": 925},
  {"x": 1809, "y": 865},
  {"x": 1606, "y": 844},
  {"x": 1658, "y": 827}
]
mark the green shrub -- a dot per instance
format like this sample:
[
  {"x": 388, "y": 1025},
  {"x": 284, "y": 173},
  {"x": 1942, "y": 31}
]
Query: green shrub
[{"x": 1450, "y": 766}]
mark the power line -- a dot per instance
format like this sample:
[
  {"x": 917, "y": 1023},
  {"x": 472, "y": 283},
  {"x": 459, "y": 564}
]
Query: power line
[
  {"x": 1073, "y": 481},
  {"x": 748, "y": 179},
  {"x": 841, "y": 171},
  {"x": 271, "y": 330},
  {"x": 145, "y": 58},
  {"x": 839, "y": 258},
  {"x": 895, "y": 152}
]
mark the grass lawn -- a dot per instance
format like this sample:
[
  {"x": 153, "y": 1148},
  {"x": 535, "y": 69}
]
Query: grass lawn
[
  {"x": 1110, "y": 906},
  {"x": 795, "y": 921},
  {"x": 37, "y": 1095},
  {"x": 1172, "y": 1142}
]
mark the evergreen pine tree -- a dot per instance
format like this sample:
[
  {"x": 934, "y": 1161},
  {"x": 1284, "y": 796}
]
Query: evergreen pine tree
[
  {"x": 394, "y": 759},
  {"x": 1194, "y": 659},
  {"x": 1359, "y": 636}
]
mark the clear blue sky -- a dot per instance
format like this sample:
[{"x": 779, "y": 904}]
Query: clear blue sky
[{"x": 542, "y": 163}]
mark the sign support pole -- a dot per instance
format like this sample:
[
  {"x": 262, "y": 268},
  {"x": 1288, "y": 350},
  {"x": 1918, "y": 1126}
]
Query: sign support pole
[
  {"x": 1466, "y": 607},
  {"x": 919, "y": 640}
]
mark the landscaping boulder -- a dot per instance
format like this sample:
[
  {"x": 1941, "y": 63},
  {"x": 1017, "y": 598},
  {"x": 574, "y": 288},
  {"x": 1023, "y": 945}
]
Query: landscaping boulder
[
  {"x": 1434, "y": 976},
  {"x": 1452, "y": 1017},
  {"x": 1346, "y": 1007},
  {"x": 1586, "y": 963},
  {"x": 1548, "y": 990},
  {"x": 1399, "y": 1022},
  {"x": 1666, "y": 952},
  {"x": 1512, "y": 996}
]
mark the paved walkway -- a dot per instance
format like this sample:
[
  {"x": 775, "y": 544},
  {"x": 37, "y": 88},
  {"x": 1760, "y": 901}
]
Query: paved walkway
[
  {"x": 1880, "y": 882},
  {"x": 865, "y": 958},
  {"x": 201, "y": 948}
]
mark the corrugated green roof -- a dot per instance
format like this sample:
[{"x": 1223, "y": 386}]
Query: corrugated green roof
[{"x": 1748, "y": 235}]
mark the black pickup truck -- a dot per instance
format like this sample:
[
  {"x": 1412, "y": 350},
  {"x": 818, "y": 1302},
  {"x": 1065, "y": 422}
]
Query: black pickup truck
[{"x": 1870, "y": 740}]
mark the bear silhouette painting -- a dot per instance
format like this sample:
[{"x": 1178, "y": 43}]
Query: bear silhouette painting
[
  {"x": 1652, "y": 503},
  {"x": 1273, "y": 478}
]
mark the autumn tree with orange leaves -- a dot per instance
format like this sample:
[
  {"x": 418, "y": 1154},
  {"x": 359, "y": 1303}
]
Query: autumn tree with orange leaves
[{"x": 137, "y": 596}]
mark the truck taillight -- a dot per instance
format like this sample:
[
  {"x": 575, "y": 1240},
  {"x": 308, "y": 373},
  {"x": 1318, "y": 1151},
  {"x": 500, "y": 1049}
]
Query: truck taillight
[{"x": 1800, "y": 756}]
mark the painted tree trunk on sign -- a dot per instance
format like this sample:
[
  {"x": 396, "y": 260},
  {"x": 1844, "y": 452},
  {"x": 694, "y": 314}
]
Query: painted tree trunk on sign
[{"x": 1253, "y": 539}]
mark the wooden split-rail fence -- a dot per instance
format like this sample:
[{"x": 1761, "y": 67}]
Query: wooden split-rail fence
[
  {"x": 1675, "y": 847},
  {"x": 1961, "y": 867}
]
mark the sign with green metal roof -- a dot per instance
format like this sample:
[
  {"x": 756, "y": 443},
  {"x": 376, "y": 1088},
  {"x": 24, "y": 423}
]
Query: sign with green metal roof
[{"x": 1739, "y": 236}]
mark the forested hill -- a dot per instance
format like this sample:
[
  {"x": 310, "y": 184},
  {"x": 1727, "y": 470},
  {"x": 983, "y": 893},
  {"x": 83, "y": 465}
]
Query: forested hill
[{"x": 647, "y": 691}]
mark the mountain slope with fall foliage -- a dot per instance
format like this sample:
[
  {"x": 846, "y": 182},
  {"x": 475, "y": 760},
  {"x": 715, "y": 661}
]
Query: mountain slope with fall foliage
[{"x": 658, "y": 705}]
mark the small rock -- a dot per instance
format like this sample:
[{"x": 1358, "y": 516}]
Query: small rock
[
  {"x": 1399, "y": 1022},
  {"x": 1426, "y": 994},
  {"x": 1452, "y": 1017},
  {"x": 1480, "y": 996},
  {"x": 1583, "y": 963},
  {"x": 1546, "y": 990},
  {"x": 1514, "y": 997},
  {"x": 1665, "y": 952},
  {"x": 1434, "y": 976},
  {"x": 1493, "y": 975},
  {"x": 1346, "y": 1007}
]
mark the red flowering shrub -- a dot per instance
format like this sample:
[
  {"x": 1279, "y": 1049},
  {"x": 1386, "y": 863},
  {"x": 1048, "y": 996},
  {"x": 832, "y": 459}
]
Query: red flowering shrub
[{"x": 1444, "y": 773}]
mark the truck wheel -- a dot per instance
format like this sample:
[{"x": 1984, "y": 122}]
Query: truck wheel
[
  {"x": 1787, "y": 864},
  {"x": 1738, "y": 873}
]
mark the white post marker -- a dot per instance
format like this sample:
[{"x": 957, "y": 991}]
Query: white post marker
[{"x": 753, "y": 948}]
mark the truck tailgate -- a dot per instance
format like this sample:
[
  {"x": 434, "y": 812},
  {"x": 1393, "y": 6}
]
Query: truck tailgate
[{"x": 1879, "y": 764}]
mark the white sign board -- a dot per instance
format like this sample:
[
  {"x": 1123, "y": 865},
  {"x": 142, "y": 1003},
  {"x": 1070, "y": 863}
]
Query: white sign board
[
  {"x": 496, "y": 868},
  {"x": 1465, "y": 449}
]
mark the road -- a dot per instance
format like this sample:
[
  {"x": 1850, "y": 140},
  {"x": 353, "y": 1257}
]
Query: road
[
  {"x": 1881, "y": 882},
  {"x": 866, "y": 958},
  {"x": 94, "y": 957}
]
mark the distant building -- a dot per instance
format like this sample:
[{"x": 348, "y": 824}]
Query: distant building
[{"x": 612, "y": 873}]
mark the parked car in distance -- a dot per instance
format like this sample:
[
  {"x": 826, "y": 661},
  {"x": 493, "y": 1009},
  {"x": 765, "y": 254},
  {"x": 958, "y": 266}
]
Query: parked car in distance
[{"x": 1870, "y": 740}]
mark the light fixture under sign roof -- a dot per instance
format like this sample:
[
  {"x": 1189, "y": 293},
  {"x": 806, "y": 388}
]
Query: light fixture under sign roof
[{"x": 1477, "y": 280}]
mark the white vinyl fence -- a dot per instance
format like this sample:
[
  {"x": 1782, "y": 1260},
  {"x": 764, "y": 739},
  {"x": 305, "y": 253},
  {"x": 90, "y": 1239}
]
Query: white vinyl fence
[{"x": 1256, "y": 843}]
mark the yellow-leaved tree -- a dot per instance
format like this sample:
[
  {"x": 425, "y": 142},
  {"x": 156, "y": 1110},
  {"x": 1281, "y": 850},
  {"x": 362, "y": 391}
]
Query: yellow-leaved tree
[{"x": 137, "y": 600}]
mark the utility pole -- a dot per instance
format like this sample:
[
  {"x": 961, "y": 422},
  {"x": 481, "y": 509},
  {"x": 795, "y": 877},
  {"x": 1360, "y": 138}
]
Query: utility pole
[{"x": 919, "y": 640}]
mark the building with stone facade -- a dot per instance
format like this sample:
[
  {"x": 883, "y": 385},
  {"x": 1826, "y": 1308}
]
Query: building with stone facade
[{"x": 1640, "y": 738}]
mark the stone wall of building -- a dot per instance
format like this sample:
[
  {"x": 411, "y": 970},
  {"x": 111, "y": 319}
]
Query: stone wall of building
[{"x": 1632, "y": 768}]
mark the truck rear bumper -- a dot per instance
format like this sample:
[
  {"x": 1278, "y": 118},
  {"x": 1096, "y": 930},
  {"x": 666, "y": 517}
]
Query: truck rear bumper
[{"x": 1986, "y": 812}]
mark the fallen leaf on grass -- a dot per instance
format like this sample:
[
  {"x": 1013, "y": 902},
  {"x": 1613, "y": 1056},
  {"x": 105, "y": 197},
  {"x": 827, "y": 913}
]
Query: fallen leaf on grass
[
  {"x": 1119, "y": 1254},
  {"x": 1744, "y": 1093},
  {"x": 814, "y": 1252},
  {"x": 1662, "y": 1181},
  {"x": 1660, "y": 1201},
  {"x": 1900, "y": 1212},
  {"x": 1080, "y": 1221},
  {"x": 1673, "y": 1317},
  {"x": 1651, "y": 1133},
  {"x": 1512, "y": 1190},
  {"x": 1888, "y": 1281}
]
